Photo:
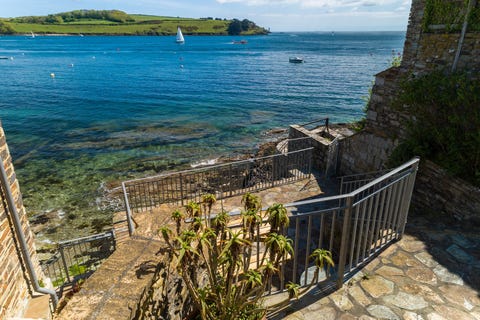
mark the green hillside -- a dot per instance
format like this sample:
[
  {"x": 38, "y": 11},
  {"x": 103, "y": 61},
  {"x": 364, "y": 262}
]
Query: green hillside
[{"x": 115, "y": 22}]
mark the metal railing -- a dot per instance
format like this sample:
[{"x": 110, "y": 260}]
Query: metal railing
[
  {"x": 224, "y": 180},
  {"x": 78, "y": 259},
  {"x": 298, "y": 144},
  {"x": 315, "y": 124},
  {"x": 354, "y": 226},
  {"x": 352, "y": 182}
]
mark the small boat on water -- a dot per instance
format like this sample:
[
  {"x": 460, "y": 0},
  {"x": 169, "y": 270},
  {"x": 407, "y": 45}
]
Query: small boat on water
[
  {"x": 179, "y": 39},
  {"x": 6, "y": 58},
  {"x": 240, "y": 42},
  {"x": 295, "y": 60}
]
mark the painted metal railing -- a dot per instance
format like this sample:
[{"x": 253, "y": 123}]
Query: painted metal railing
[
  {"x": 77, "y": 259},
  {"x": 354, "y": 226},
  {"x": 316, "y": 123},
  {"x": 297, "y": 143},
  {"x": 352, "y": 182},
  {"x": 224, "y": 180}
]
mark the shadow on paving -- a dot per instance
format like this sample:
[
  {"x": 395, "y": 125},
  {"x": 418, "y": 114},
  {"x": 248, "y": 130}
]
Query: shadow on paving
[{"x": 454, "y": 245}]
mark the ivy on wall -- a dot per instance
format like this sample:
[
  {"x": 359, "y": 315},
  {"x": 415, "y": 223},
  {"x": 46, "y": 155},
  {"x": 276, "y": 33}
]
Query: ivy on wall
[
  {"x": 450, "y": 14},
  {"x": 445, "y": 123}
]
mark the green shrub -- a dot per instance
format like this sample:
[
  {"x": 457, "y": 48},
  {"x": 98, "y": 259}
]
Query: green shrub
[
  {"x": 77, "y": 269},
  {"x": 445, "y": 123}
]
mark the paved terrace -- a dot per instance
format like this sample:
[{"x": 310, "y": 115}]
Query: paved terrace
[{"x": 432, "y": 273}]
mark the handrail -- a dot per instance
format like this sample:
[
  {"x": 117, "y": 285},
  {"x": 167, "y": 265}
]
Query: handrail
[
  {"x": 25, "y": 252},
  {"x": 413, "y": 162},
  {"x": 214, "y": 166},
  {"x": 94, "y": 237},
  {"x": 76, "y": 252},
  {"x": 131, "y": 227},
  {"x": 315, "y": 121},
  {"x": 379, "y": 172},
  {"x": 364, "y": 221}
]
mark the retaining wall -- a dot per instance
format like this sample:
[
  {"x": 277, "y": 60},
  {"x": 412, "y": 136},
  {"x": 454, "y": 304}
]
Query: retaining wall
[
  {"x": 15, "y": 291},
  {"x": 425, "y": 50}
]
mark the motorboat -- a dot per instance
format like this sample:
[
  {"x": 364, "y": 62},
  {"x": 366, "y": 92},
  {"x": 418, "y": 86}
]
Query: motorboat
[{"x": 295, "y": 60}]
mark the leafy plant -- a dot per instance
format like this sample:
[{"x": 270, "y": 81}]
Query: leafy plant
[
  {"x": 77, "y": 269},
  {"x": 293, "y": 290},
  {"x": 444, "y": 122},
  {"x": 58, "y": 282},
  {"x": 215, "y": 259},
  {"x": 439, "y": 12},
  {"x": 277, "y": 217},
  {"x": 396, "y": 59}
]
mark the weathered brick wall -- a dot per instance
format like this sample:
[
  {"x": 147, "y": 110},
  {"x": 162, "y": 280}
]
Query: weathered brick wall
[{"x": 14, "y": 286}]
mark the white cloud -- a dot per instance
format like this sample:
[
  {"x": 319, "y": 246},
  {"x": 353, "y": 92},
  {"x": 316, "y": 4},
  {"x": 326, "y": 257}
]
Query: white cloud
[{"x": 320, "y": 3}]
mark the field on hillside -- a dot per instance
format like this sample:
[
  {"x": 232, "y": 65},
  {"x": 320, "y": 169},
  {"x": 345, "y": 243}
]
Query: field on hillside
[{"x": 130, "y": 24}]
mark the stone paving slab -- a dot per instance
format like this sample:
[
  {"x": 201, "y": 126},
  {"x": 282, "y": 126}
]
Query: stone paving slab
[{"x": 430, "y": 274}]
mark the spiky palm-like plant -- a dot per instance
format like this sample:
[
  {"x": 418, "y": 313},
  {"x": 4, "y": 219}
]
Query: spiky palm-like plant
[
  {"x": 193, "y": 209},
  {"x": 251, "y": 202},
  {"x": 213, "y": 259},
  {"x": 208, "y": 200},
  {"x": 177, "y": 216},
  {"x": 277, "y": 217},
  {"x": 293, "y": 290},
  {"x": 322, "y": 258}
]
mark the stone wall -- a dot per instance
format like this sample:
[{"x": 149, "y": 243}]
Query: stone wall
[
  {"x": 15, "y": 290},
  {"x": 166, "y": 297},
  {"x": 425, "y": 50},
  {"x": 437, "y": 192},
  {"x": 436, "y": 48},
  {"x": 318, "y": 142},
  {"x": 369, "y": 150}
]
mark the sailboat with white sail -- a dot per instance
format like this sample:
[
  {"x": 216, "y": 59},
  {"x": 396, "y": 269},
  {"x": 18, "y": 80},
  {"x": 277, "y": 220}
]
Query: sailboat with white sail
[{"x": 179, "y": 38}]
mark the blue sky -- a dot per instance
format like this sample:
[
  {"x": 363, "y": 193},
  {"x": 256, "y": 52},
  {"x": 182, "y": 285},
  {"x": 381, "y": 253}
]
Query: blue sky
[{"x": 278, "y": 15}]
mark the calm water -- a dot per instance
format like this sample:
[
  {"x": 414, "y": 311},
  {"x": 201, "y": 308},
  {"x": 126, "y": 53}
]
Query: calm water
[{"x": 121, "y": 107}]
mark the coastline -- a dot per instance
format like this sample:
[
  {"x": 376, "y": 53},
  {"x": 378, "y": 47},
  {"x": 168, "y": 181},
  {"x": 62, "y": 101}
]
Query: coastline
[
  {"x": 205, "y": 102},
  {"x": 46, "y": 224}
]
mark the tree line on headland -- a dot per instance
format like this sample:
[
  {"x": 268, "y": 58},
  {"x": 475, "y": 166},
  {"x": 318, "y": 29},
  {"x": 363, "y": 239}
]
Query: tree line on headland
[{"x": 116, "y": 22}]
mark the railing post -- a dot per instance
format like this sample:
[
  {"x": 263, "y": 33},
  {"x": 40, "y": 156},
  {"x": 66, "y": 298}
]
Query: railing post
[
  {"x": 230, "y": 180},
  {"x": 344, "y": 244},
  {"x": 131, "y": 227},
  {"x": 64, "y": 262},
  {"x": 409, "y": 191},
  {"x": 181, "y": 188},
  {"x": 273, "y": 172},
  {"x": 114, "y": 239},
  {"x": 310, "y": 161}
]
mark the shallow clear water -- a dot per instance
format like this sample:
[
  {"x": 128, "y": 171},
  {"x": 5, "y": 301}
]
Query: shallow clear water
[{"x": 121, "y": 107}]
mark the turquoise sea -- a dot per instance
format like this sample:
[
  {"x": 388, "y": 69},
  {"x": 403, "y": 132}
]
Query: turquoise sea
[{"x": 83, "y": 112}]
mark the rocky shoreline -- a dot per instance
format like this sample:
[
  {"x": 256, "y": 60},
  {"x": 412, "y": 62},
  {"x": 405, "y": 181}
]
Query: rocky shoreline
[{"x": 52, "y": 226}]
